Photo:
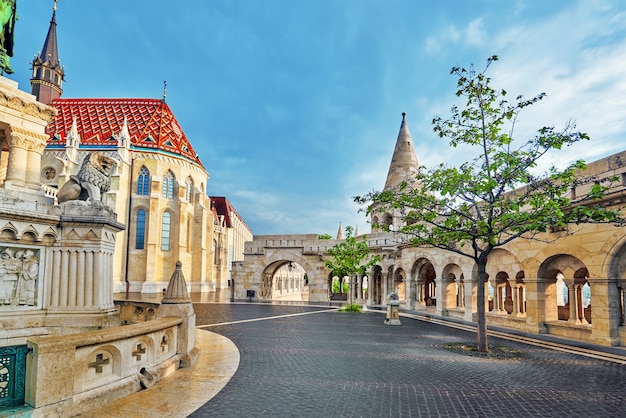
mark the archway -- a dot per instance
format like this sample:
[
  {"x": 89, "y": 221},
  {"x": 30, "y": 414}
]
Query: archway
[
  {"x": 566, "y": 289},
  {"x": 284, "y": 280}
]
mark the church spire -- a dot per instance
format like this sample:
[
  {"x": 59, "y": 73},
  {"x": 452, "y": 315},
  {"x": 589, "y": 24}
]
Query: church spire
[
  {"x": 48, "y": 74},
  {"x": 404, "y": 165}
]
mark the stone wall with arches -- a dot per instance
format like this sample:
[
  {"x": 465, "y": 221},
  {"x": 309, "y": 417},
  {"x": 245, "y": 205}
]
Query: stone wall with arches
[{"x": 574, "y": 286}]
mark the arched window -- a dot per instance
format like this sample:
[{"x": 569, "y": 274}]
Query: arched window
[
  {"x": 168, "y": 185},
  {"x": 189, "y": 190},
  {"x": 166, "y": 223},
  {"x": 140, "y": 233},
  {"x": 143, "y": 182}
]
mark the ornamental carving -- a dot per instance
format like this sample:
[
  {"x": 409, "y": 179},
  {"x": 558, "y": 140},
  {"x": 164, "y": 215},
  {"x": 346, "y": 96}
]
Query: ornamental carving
[
  {"x": 26, "y": 139},
  {"x": 36, "y": 109},
  {"x": 19, "y": 276}
]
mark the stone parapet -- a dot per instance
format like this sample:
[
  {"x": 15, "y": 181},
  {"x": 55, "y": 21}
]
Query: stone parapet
[{"x": 70, "y": 374}]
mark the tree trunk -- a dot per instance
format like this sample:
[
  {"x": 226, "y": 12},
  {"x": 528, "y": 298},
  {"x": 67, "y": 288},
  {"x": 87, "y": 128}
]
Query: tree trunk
[{"x": 481, "y": 329}]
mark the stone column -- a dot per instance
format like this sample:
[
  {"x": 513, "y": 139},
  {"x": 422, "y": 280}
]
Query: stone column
[
  {"x": 37, "y": 143},
  {"x": 536, "y": 305},
  {"x": 18, "y": 159},
  {"x": 385, "y": 288},
  {"x": 515, "y": 290},
  {"x": 572, "y": 300},
  {"x": 605, "y": 310}
]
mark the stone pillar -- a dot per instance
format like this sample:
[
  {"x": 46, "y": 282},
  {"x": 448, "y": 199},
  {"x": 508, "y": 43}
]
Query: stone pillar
[
  {"x": 536, "y": 305},
  {"x": 408, "y": 294},
  {"x": 470, "y": 298},
  {"x": 81, "y": 267},
  {"x": 605, "y": 311},
  {"x": 18, "y": 159},
  {"x": 515, "y": 290},
  {"x": 33, "y": 171},
  {"x": 385, "y": 287}
]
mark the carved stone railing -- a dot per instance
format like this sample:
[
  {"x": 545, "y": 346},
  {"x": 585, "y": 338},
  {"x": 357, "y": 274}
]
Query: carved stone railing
[{"x": 71, "y": 374}]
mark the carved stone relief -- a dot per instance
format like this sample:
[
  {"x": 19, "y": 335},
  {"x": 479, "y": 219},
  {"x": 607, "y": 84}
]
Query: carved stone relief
[{"x": 19, "y": 276}]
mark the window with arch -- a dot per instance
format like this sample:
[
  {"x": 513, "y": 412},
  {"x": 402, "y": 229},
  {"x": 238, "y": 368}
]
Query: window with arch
[
  {"x": 143, "y": 182},
  {"x": 168, "y": 185},
  {"x": 189, "y": 189},
  {"x": 140, "y": 232},
  {"x": 166, "y": 224}
]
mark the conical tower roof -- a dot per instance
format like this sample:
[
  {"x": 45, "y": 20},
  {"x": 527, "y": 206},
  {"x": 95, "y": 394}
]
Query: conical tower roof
[
  {"x": 48, "y": 74},
  {"x": 340, "y": 232},
  {"x": 50, "y": 53},
  {"x": 177, "y": 287},
  {"x": 404, "y": 165}
]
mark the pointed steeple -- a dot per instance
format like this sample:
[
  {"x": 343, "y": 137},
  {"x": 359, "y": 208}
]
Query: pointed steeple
[
  {"x": 340, "y": 232},
  {"x": 404, "y": 165},
  {"x": 72, "y": 140},
  {"x": 47, "y": 81},
  {"x": 123, "y": 139}
]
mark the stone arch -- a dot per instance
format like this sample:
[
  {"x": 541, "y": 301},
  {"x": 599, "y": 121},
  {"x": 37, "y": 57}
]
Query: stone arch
[
  {"x": 100, "y": 365},
  {"x": 562, "y": 277},
  {"x": 453, "y": 287},
  {"x": 424, "y": 272},
  {"x": 617, "y": 272},
  {"x": 290, "y": 284},
  {"x": 376, "y": 285},
  {"x": 142, "y": 352},
  {"x": 399, "y": 283}
]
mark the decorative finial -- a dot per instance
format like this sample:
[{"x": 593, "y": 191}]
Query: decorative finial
[
  {"x": 54, "y": 6},
  {"x": 164, "y": 89},
  {"x": 403, "y": 116}
]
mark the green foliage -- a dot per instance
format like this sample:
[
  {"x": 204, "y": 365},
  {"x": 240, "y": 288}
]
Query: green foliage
[
  {"x": 324, "y": 237},
  {"x": 352, "y": 307},
  {"x": 495, "y": 197},
  {"x": 339, "y": 288},
  {"x": 350, "y": 256}
]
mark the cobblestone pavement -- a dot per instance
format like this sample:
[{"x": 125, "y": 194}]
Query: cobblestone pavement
[{"x": 333, "y": 364}]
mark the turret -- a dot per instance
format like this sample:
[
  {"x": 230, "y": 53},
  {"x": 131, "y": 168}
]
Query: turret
[
  {"x": 404, "y": 167},
  {"x": 48, "y": 75}
]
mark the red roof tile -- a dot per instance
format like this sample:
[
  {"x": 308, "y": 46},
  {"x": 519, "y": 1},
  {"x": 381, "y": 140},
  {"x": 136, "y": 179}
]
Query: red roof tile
[{"x": 151, "y": 124}]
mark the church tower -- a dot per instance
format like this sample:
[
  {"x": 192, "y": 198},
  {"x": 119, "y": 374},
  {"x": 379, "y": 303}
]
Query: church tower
[
  {"x": 48, "y": 74},
  {"x": 404, "y": 167}
]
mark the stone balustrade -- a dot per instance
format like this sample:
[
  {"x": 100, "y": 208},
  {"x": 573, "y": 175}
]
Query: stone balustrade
[{"x": 70, "y": 374}]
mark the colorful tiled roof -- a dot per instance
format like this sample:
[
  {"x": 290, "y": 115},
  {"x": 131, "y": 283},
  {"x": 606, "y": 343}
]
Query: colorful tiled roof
[{"x": 151, "y": 124}]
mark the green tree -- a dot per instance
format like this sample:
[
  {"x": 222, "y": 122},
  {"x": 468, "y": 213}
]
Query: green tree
[
  {"x": 494, "y": 198},
  {"x": 350, "y": 257}
]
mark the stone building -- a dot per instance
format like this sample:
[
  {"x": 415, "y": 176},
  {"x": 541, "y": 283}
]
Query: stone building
[
  {"x": 574, "y": 287},
  {"x": 158, "y": 187},
  {"x": 237, "y": 233}
]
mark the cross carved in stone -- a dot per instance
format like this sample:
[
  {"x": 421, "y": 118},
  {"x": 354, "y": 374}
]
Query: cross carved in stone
[
  {"x": 164, "y": 343},
  {"x": 100, "y": 361},
  {"x": 139, "y": 351}
]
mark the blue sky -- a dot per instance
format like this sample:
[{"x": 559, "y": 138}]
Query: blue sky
[{"x": 294, "y": 106}]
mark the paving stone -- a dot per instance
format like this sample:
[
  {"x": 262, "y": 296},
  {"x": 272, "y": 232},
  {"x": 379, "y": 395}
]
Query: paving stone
[{"x": 334, "y": 364}]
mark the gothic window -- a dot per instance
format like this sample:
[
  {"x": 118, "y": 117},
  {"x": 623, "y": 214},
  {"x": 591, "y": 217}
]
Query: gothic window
[
  {"x": 168, "y": 185},
  {"x": 140, "y": 233},
  {"x": 189, "y": 191},
  {"x": 166, "y": 223},
  {"x": 143, "y": 182}
]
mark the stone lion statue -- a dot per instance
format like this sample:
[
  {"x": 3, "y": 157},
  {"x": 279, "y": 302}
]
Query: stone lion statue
[{"x": 92, "y": 181}]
